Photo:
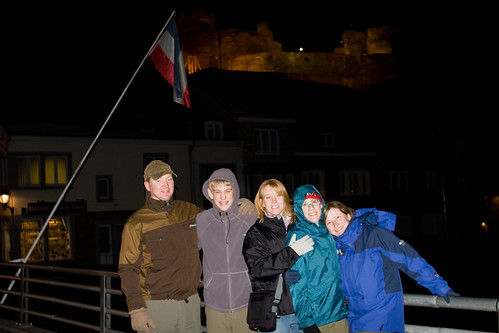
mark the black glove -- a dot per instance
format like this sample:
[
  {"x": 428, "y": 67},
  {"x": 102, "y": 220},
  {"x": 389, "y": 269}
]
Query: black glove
[
  {"x": 312, "y": 329},
  {"x": 449, "y": 293},
  {"x": 291, "y": 277}
]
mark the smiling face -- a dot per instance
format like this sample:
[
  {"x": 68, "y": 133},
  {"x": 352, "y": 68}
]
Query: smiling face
[
  {"x": 336, "y": 221},
  {"x": 312, "y": 210},
  {"x": 161, "y": 188},
  {"x": 272, "y": 202},
  {"x": 222, "y": 195}
]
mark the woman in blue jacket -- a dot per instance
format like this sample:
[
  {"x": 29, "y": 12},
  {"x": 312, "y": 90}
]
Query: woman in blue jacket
[
  {"x": 370, "y": 257},
  {"x": 317, "y": 297}
]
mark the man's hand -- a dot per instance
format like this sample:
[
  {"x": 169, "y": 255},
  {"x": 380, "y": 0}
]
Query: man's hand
[{"x": 141, "y": 321}]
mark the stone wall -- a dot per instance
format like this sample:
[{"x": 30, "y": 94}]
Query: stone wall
[{"x": 365, "y": 57}]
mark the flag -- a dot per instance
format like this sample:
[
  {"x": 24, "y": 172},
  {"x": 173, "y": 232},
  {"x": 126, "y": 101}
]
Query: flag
[{"x": 167, "y": 58}]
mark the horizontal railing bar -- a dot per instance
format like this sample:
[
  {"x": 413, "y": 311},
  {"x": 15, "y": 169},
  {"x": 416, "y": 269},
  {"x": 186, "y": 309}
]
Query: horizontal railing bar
[
  {"x": 63, "y": 301},
  {"x": 430, "y": 329},
  {"x": 63, "y": 284},
  {"x": 10, "y": 292},
  {"x": 10, "y": 277},
  {"x": 120, "y": 313},
  {"x": 63, "y": 320},
  {"x": 461, "y": 302}
]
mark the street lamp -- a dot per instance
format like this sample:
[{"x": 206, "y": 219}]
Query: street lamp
[{"x": 4, "y": 199}]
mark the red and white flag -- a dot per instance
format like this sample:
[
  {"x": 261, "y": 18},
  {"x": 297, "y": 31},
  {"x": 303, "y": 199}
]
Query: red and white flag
[{"x": 167, "y": 58}]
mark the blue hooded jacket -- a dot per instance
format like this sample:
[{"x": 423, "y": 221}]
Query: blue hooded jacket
[
  {"x": 317, "y": 295},
  {"x": 370, "y": 257}
]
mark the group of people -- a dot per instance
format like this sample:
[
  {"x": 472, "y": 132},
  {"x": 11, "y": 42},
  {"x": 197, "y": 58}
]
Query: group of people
[{"x": 340, "y": 266}]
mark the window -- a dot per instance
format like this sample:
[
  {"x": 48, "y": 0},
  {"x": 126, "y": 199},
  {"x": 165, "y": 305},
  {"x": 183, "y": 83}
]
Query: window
[
  {"x": 214, "y": 130},
  {"x": 28, "y": 171},
  {"x": 315, "y": 178},
  {"x": 429, "y": 180},
  {"x": 398, "y": 181},
  {"x": 355, "y": 182},
  {"x": 57, "y": 237},
  {"x": 56, "y": 172},
  {"x": 42, "y": 170},
  {"x": 149, "y": 157},
  {"x": 287, "y": 179},
  {"x": 104, "y": 239},
  {"x": 104, "y": 188},
  {"x": 265, "y": 141},
  {"x": 326, "y": 140}
]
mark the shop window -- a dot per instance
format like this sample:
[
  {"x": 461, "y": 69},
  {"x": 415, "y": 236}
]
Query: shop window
[{"x": 53, "y": 245}]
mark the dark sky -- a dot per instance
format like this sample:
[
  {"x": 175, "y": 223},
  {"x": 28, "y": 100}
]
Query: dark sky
[{"x": 79, "y": 57}]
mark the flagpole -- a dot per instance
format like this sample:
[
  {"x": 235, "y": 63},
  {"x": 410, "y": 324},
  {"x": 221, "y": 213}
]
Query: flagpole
[{"x": 83, "y": 160}]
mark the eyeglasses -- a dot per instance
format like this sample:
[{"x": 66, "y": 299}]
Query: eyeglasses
[{"x": 313, "y": 202}]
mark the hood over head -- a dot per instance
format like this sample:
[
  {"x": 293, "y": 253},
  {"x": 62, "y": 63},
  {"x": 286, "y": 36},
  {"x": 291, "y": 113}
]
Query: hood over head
[
  {"x": 222, "y": 174},
  {"x": 301, "y": 194}
]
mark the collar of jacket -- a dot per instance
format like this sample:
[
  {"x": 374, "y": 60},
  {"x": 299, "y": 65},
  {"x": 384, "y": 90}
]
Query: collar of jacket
[
  {"x": 351, "y": 233},
  {"x": 159, "y": 205},
  {"x": 222, "y": 216}
]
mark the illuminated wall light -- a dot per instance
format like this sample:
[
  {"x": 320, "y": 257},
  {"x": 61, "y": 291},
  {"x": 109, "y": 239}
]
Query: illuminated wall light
[
  {"x": 301, "y": 49},
  {"x": 484, "y": 228}
]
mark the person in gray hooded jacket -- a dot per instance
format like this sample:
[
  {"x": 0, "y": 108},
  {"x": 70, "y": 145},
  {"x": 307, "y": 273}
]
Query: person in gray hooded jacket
[{"x": 221, "y": 231}]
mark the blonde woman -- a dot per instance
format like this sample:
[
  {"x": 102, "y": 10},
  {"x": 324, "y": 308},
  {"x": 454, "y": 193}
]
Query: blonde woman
[{"x": 265, "y": 249}]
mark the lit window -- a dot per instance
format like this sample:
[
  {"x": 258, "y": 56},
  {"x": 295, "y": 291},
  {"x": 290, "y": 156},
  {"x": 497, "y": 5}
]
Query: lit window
[
  {"x": 58, "y": 238},
  {"x": 42, "y": 170},
  {"x": 56, "y": 170},
  {"x": 28, "y": 171}
]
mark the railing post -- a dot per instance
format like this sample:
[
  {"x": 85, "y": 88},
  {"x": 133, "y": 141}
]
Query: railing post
[
  {"x": 108, "y": 302},
  {"x": 23, "y": 300},
  {"x": 103, "y": 321}
]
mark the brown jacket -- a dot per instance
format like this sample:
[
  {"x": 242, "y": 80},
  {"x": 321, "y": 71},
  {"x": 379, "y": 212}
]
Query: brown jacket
[{"x": 159, "y": 257}]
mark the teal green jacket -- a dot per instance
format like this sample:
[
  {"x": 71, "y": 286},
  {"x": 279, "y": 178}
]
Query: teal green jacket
[{"x": 317, "y": 295}]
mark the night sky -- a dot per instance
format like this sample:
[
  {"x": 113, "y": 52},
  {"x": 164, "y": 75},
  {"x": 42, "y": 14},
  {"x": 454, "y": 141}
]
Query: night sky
[{"x": 79, "y": 57}]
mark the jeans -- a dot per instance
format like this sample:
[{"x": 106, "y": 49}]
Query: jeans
[{"x": 287, "y": 324}]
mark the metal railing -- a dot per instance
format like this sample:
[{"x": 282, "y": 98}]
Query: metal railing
[
  {"x": 93, "y": 300},
  {"x": 89, "y": 299}
]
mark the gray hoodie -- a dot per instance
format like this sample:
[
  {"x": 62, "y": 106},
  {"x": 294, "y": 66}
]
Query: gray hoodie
[{"x": 220, "y": 235}]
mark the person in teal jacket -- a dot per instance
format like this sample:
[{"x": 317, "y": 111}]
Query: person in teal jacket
[{"x": 317, "y": 297}]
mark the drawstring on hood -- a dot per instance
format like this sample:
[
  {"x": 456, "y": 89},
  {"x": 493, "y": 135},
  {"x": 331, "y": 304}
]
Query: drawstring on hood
[{"x": 222, "y": 214}]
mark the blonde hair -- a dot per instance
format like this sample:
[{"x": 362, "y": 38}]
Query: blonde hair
[
  {"x": 280, "y": 189},
  {"x": 218, "y": 182}
]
